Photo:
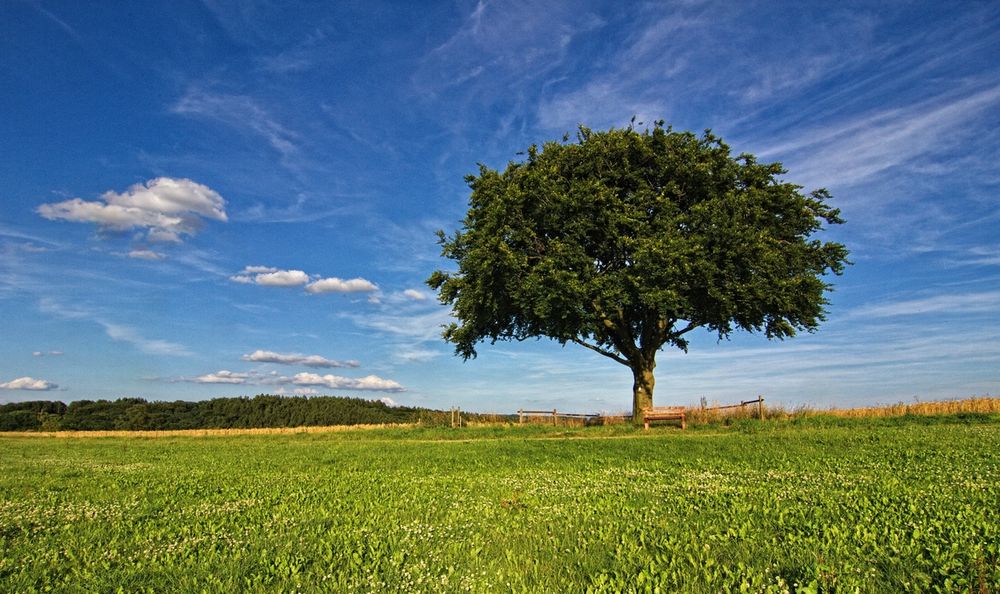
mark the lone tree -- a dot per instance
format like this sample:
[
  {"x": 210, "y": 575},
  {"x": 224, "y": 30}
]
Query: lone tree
[{"x": 625, "y": 241}]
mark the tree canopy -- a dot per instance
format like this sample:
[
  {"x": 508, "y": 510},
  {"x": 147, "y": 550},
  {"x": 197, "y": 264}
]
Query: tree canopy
[
  {"x": 625, "y": 241},
  {"x": 218, "y": 413}
]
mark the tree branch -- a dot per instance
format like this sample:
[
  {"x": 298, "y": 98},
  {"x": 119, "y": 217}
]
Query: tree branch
[
  {"x": 686, "y": 329},
  {"x": 616, "y": 332},
  {"x": 598, "y": 349}
]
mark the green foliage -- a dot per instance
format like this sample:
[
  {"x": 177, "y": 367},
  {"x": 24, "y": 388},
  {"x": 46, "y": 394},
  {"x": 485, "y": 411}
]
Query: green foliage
[
  {"x": 218, "y": 413},
  {"x": 625, "y": 241},
  {"x": 866, "y": 506}
]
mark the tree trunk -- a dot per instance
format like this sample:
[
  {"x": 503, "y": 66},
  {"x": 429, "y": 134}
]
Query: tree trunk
[{"x": 642, "y": 390}]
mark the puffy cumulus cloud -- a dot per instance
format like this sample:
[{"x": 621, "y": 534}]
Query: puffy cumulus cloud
[
  {"x": 275, "y": 277},
  {"x": 28, "y": 383},
  {"x": 336, "y": 285},
  {"x": 223, "y": 377},
  {"x": 260, "y": 356},
  {"x": 297, "y": 391},
  {"x": 303, "y": 382},
  {"x": 388, "y": 402},
  {"x": 282, "y": 278},
  {"x": 415, "y": 295},
  {"x": 167, "y": 208},
  {"x": 336, "y": 382},
  {"x": 270, "y": 277}
]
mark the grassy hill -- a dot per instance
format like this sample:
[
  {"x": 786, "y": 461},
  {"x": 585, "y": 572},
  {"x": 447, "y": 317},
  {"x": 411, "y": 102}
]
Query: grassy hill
[{"x": 909, "y": 504}]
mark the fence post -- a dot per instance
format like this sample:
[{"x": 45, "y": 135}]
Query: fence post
[
  {"x": 520, "y": 416},
  {"x": 760, "y": 406},
  {"x": 553, "y": 417}
]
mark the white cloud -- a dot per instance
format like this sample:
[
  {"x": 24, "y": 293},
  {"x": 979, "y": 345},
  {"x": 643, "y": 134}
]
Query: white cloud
[
  {"x": 167, "y": 208},
  {"x": 599, "y": 104},
  {"x": 270, "y": 277},
  {"x": 260, "y": 356},
  {"x": 152, "y": 346},
  {"x": 305, "y": 391},
  {"x": 282, "y": 278},
  {"x": 114, "y": 331},
  {"x": 336, "y": 382},
  {"x": 274, "y": 277},
  {"x": 146, "y": 255},
  {"x": 304, "y": 381},
  {"x": 222, "y": 377},
  {"x": 240, "y": 113},
  {"x": 505, "y": 45},
  {"x": 388, "y": 401},
  {"x": 28, "y": 383},
  {"x": 854, "y": 150},
  {"x": 415, "y": 295},
  {"x": 424, "y": 327},
  {"x": 336, "y": 285},
  {"x": 46, "y": 353},
  {"x": 940, "y": 304},
  {"x": 172, "y": 196},
  {"x": 415, "y": 355}
]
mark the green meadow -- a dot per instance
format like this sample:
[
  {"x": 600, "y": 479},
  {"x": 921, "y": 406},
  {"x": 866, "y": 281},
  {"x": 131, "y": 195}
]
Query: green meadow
[{"x": 822, "y": 505}]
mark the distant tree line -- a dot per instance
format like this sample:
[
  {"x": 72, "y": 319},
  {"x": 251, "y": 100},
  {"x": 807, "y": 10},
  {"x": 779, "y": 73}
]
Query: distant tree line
[{"x": 219, "y": 413}]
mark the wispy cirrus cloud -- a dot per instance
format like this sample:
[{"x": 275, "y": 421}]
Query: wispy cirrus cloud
[
  {"x": 152, "y": 346},
  {"x": 961, "y": 303},
  {"x": 243, "y": 114},
  {"x": 853, "y": 149},
  {"x": 410, "y": 327},
  {"x": 145, "y": 255},
  {"x": 30, "y": 239},
  {"x": 415, "y": 355},
  {"x": 420, "y": 327},
  {"x": 66, "y": 28},
  {"x": 114, "y": 331},
  {"x": 498, "y": 44},
  {"x": 639, "y": 76}
]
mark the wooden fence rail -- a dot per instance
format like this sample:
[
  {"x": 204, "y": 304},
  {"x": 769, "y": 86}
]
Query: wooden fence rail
[
  {"x": 555, "y": 414},
  {"x": 759, "y": 401}
]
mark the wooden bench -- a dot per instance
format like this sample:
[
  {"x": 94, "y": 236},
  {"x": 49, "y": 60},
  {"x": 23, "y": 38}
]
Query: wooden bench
[{"x": 664, "y": 413}]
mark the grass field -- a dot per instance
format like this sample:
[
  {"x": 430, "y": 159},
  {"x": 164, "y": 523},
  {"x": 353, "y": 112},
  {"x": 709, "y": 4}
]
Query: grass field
[{"x": 821, "y": 504}]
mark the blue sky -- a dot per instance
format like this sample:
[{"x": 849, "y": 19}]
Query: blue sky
[{"x": 213, "y": 198}]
